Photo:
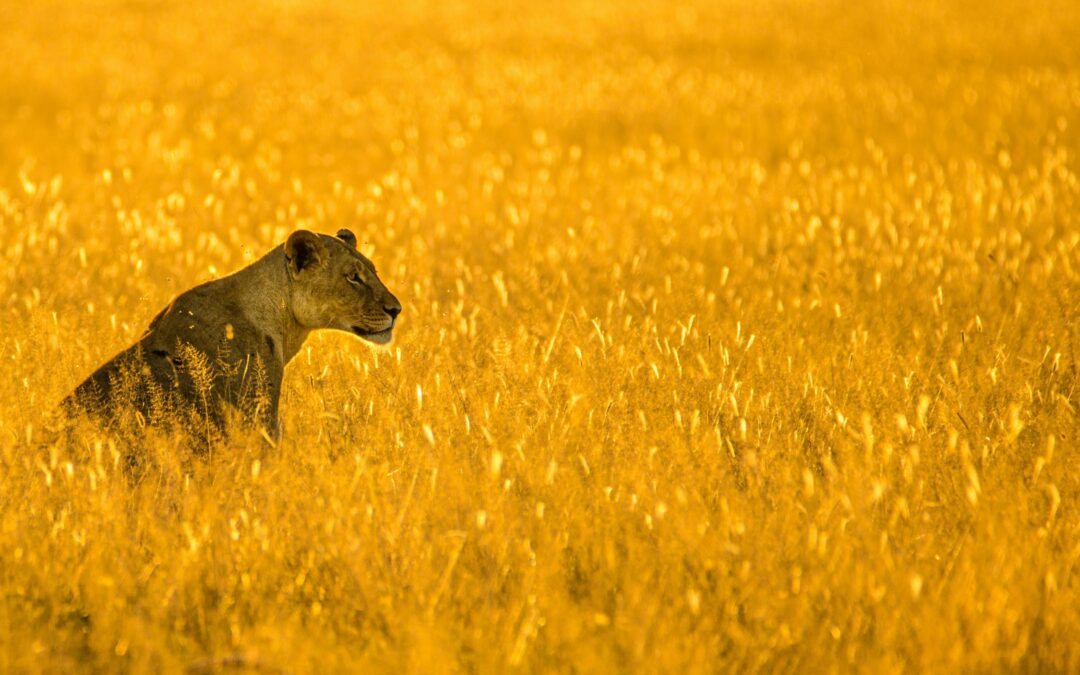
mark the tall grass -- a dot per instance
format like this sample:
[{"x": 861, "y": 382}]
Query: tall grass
[{"x": 736, "y": 336}]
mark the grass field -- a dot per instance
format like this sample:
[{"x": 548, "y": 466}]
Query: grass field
[{"x": 737, "y": 336}]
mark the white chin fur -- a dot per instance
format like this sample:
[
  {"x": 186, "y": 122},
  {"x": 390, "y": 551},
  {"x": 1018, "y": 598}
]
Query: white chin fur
[{"x": 383, "y": 337}]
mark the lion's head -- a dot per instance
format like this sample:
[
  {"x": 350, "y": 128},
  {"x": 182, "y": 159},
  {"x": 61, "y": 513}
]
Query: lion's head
[{"x": 334, "y": 286}]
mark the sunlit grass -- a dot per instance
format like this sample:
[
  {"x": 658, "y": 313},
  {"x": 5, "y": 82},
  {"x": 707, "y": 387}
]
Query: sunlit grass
[{"x": 736, "y": 336}]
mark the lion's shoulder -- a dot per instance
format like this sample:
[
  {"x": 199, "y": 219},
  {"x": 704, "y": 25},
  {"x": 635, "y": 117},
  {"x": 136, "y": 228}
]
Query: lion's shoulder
[{"x": 205, "y": 317}]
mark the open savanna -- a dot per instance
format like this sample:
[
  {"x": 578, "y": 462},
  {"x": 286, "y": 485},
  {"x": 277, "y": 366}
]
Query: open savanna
[{"x": 737, "y": 336}]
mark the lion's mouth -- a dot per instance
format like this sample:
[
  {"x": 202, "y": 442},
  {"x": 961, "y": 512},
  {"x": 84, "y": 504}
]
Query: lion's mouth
[{"x": 379, "y": 337}]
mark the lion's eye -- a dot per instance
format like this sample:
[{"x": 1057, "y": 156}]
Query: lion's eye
[{"x": 354, "y": 278}]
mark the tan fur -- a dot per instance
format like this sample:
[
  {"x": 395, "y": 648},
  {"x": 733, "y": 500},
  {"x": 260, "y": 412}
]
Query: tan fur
[{"x": 224, "y": 345}]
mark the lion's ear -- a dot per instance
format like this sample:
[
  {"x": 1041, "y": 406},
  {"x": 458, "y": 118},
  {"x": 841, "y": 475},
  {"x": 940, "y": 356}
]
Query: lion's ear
[
  {"x": 304, "y": 251},
  {"x": 347, "y": 236}
]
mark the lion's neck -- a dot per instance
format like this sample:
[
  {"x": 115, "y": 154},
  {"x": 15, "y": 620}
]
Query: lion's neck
[{"x": 263, "y": 290}]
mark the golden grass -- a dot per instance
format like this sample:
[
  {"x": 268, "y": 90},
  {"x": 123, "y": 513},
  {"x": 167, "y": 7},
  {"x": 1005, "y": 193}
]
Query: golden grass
[{"x": 737, "y": 336}]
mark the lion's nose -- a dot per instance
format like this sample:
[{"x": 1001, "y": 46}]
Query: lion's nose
[{"x": 393, "y": 309}]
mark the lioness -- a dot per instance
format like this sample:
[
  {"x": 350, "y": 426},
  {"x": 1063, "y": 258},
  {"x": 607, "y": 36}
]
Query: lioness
[{"x": 223, "y": 345}]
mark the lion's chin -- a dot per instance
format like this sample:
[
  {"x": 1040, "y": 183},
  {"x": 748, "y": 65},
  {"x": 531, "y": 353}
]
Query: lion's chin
[{"x": 381, "y": 337}]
